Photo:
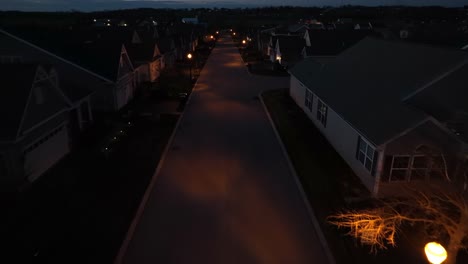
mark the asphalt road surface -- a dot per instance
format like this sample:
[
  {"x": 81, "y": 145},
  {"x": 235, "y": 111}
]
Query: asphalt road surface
[{"x": 224, "y": 193}]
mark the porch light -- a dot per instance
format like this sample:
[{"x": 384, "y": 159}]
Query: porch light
[
  {"x": 435, "y": 252},
  {"x": 234, "y": 33},
  {"x": 189, "y": 56},
  {"x": 243, "y": 41}
]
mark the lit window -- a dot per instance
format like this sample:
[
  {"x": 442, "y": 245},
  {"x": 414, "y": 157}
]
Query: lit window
[
  {"x": 309, "y": 97},
  {"x": 322, "y": 110}
]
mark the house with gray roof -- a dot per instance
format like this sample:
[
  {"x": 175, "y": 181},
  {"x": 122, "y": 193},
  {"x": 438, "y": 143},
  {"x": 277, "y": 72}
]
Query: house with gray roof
[
  {"x": 319, "y": 43},
  {"x": 288, "y": 50},
  {"x": 35, "y": 117},
  {"x": 289, "y": 40},
  {"x": 146, "y": 60},
  {"x": 95, "y": 62},
  {"x": 78, "y": 84},
  {"x": 383, "y": 104}
]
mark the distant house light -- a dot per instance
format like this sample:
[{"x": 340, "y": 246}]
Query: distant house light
[
  {"x": 108, "y": 24},
  {"x": 94, "y": 20}
]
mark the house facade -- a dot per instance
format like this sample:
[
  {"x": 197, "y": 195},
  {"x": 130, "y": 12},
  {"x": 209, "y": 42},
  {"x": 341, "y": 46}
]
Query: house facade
[
  {"x": 370, "y": 119},
  {"x": 77, "y": 84},
  {"x": 35, "y": 134}
]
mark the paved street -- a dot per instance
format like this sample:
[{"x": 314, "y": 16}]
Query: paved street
[{"x": 224, "y": 193}]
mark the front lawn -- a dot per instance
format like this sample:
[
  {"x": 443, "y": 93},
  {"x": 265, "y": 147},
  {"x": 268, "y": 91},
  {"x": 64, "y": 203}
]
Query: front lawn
[{"x": 79, "y": 211}]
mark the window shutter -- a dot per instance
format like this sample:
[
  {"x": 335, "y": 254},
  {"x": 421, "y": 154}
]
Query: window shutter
[
  {"x": 357, "y": 147},
  {"x": 374, "y": 162}
]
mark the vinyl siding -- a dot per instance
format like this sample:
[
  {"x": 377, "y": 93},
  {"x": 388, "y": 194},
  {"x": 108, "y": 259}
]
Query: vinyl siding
[{"x": 342, "y": 136}]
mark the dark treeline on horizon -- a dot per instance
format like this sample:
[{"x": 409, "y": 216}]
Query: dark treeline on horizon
[{"x": 209, "y": 14}]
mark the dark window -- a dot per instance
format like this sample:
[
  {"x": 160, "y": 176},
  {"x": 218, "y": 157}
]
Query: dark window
[
  {"x": 309, "y": 99},
  {"x": 322, "y": 110},
  {"x": 366, "y": 154},
  {"x": 409, "y": 168}
]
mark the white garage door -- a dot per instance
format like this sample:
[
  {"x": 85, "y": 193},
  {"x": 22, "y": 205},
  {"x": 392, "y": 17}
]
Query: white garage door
[{"x": 45, "y": 153}]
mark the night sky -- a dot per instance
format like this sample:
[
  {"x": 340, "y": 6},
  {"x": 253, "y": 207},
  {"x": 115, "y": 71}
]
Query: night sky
[{"x": 90, "y": 5}]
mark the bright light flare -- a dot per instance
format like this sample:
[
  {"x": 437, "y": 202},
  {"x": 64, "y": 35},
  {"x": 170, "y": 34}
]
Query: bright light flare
[{"x": 435, "y": 252}]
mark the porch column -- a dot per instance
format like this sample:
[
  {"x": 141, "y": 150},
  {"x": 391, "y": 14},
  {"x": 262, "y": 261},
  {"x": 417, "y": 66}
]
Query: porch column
[{"x": 378, "y": 173}]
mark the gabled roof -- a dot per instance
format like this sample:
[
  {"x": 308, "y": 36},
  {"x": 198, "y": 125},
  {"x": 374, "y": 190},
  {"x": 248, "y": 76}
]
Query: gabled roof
[
  {"x": 166, "y": 44},
  {"x": 101, "y": 57},
  {"x": 19, "y": 111},
  {"x": 143, "y": 52},
  {"x": 332, "y": 42},
  {"x": 17, "y": 81},
  {"x": 275, "y": 38},
  {"x": 291, "y": 48},
  {"x": 95, "y": 50},
  {"x": 365, "y": 84},
  {"x": 447, "y": 100},
  {"x": 297, "y": 28}
]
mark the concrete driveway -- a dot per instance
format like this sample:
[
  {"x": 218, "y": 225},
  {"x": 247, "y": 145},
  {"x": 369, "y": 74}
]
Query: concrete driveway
[{"x": 224, "y": 193}]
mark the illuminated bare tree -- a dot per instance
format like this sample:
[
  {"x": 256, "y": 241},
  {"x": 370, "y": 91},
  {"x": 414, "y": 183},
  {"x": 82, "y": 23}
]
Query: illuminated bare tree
[{"x": 438, "y": 210}]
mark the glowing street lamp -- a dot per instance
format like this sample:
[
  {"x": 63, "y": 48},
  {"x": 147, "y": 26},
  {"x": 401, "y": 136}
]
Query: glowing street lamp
[
  {"x": 189, "y": 56},
  {"x": 243, "y": 41},
  {"x": 234, "y": 33},
  {"x": 435, "y": 252}
]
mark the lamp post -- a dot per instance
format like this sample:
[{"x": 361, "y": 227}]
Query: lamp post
[
  {"x": 189, "y": 57},
  {"x": 435, "y": 252}
]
